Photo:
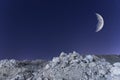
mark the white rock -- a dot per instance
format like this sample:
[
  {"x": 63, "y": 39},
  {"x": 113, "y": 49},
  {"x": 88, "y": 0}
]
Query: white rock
[
  {"x": 56, "y": 60},
  {"x": 115, "y": 71},
  {"x": 47, "y": 66},
  {"x": 92, "y": 64},
  {"x": 65, "y": 67},
  {"x": 89, "y": 57},
  {"x": 63, "y": 54},
  {"x": 117, "y": 64}
]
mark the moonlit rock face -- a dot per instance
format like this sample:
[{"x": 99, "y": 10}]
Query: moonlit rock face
[
  {"x": 115, "y": 71},
  {"x": 47, "y": 66},
  {"x": 89, "y": 57},
  {"x": 56, "y": 59},
  {"x": 72, "y": 66},
  {"x": 100, "y": 22},
  {"x": 117, "y": 64},
  {"x": 63, "y": 54},
  {"x": 92, "y": 64}
]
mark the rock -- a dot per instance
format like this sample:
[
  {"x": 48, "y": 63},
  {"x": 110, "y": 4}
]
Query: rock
[
  {"x": 117, "y": 64},
  {"x": 89, "y": 58},
  {"x": 115, "y": 71},
  {"x": 63, "y": 54},
  {"x": 47, "y": 66},
  {"x": 72, "y": 66}
]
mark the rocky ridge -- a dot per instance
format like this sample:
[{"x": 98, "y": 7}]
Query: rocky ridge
[{"x": 72, "y": 66}]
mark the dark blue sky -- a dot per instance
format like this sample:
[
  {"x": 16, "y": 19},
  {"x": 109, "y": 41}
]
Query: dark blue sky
[{"x": 31, "y": 29}]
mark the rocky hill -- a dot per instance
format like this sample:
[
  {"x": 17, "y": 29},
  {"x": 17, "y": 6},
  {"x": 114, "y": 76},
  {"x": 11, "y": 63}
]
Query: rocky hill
[{"x": 72, "y": 66}]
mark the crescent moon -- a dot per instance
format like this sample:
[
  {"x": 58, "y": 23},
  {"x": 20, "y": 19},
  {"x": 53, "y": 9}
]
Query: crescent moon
[{"x": 100, "y": 23}]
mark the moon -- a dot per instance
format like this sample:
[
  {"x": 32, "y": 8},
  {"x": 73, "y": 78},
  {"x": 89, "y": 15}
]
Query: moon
[{"x": 100, "y": 23}]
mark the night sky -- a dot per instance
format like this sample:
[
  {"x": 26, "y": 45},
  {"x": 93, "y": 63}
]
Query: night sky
[{"x": 41, "y": 29}]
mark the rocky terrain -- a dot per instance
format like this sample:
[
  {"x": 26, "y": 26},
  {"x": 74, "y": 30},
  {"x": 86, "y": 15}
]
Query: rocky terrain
[{"x": 72, "y": 66}]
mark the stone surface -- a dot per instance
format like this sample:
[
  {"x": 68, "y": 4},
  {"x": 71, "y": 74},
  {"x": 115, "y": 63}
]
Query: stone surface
[{"x": 72, "y": 66}]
